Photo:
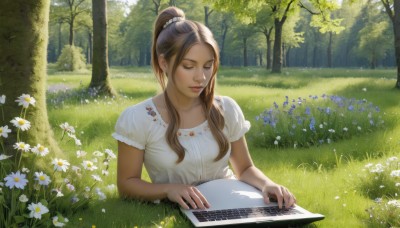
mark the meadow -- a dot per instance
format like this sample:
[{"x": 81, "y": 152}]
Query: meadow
[{"x": 334, "y": 179}]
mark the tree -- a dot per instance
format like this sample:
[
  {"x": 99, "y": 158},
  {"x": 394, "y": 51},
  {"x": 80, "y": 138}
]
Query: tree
[
  {"x": 327, "y": 24},
  {"x": 23, "y": 44},
  {"x": 264, "y": 24},
  {"x": 67, "y": 11},
  {"x": 100, "y": 70},
  {"x": 244, "y": 32},
  {"x": 374, "y": 37},
  {"x": 281, "y": 10},
  {"x": 392, "y": 8},
  {"x": 207, "y": 13}
]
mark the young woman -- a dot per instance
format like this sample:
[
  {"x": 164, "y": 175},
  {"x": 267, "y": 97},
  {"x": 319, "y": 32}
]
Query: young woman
[{"x": 185, "y": 135}]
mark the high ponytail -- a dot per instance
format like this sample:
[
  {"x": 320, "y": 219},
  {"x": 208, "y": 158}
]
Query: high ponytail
[
  {"x": 164, "y": 16},
  {"x": 174, "y": 39}
]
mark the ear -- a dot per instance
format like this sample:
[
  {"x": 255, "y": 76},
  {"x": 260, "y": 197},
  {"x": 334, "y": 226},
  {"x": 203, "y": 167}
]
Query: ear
[{"x": 163, "y": 62}]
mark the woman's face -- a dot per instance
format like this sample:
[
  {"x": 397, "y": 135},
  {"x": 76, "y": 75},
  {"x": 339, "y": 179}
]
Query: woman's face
[{"x": 194, "y": 72}]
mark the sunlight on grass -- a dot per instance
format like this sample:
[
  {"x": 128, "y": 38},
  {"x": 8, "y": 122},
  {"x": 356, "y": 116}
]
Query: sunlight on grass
[{"x": 325, "y": 179}]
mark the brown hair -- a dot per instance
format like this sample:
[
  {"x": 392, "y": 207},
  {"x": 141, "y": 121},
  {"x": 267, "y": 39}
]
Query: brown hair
[{"x": 175, "y": 40}]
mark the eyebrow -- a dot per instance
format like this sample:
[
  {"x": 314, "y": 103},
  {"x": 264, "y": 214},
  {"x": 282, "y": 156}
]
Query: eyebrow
[{"x": 194, "y": 61}]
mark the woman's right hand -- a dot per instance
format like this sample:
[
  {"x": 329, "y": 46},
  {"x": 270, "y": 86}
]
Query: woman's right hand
[{"x": 187, "y": 196}]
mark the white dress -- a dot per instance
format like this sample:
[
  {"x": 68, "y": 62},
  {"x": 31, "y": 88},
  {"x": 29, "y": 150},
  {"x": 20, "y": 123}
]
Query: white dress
[{"x": 141, "y": 126}]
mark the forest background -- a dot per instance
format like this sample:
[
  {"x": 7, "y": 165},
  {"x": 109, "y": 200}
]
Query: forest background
[{"x": 362, "y": 37}]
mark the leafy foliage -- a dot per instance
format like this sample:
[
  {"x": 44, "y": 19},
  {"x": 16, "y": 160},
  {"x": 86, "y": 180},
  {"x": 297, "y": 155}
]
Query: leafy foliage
[{"x": 71, "y": 59}]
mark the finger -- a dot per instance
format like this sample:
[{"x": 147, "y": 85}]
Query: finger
[
  {"x": 292, "y": 200},
  {"x": 182, "y": 203},
  {"x": 266, "y": 197},
  {"x": 287, "y": 197},
  {"x": 204, "y": 202},
  {"x": 279, "y": 196},
  {"x": 189, "y": 200}
]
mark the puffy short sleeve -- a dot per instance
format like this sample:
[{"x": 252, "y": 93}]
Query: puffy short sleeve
[
  {"x": 235, "y": 122},
  {"x": 129, "y": 128}
]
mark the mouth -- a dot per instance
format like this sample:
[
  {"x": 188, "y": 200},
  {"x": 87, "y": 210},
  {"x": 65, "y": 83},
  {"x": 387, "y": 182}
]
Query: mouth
[{"x": 196, "y": 88}]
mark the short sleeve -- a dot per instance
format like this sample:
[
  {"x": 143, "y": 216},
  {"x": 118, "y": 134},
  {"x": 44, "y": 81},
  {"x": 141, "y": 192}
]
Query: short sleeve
[
  {"x": 129, "y": 128},
  {"x": 235, "y": 122}
]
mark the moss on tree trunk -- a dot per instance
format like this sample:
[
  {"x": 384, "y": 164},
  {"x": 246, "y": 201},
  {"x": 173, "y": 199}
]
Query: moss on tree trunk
[
  {"x": 23, "y": 52},
  {"x": 100, "y": 70}
]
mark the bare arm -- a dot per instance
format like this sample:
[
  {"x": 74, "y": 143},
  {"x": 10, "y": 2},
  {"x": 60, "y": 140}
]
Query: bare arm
[
  {"x": 247, "y": 172},
  {"x": 131, "y": 185}
]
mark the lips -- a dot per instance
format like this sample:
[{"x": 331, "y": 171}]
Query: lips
[{"x": 196, "y": 88}]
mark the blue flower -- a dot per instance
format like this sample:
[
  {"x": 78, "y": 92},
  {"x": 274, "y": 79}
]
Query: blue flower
[
  {"x": 328, "y": 110},
  {"x": 350, "y": 108},
  {"x": 312, "y": 124},
  {"x": 308, "y": 111}
]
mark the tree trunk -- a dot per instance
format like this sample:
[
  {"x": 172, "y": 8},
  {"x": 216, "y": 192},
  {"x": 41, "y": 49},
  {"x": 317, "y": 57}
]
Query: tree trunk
[
  {"x": 396, "y": 27},
  {"x": 329, "y": 50},
  {"x": 223, "y": 36},
  {"x": 90, "y": 48},
  {"x": 59, "y": 39},
  {"x": 23, "y": 46},
  {"x": 157, "y": 4},
  {"x": 245, "y": 52},
  {"x": 287, "y": 56},
  {"x": 267, "y": 34},
  {"x": 277, "y": 59},
  {"x": 100, "y": 74},
  {"x": 207, "y": 13},
  {"x": 71, "y": 32}
]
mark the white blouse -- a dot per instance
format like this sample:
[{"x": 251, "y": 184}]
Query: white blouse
[{"x": 141, "y": 126}]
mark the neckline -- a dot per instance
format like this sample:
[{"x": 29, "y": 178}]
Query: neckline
[{"x": 201, "y": 125}]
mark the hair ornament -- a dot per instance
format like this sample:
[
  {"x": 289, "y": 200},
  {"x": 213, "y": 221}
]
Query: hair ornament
[{"x": 172, "y": 20}]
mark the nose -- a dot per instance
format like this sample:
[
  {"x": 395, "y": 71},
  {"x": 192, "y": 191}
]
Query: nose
[{"x": 200, "y": 76}]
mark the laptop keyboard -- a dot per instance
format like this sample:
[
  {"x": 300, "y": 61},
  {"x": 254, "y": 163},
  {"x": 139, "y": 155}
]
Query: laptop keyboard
[{"x": 240, "y": 213}]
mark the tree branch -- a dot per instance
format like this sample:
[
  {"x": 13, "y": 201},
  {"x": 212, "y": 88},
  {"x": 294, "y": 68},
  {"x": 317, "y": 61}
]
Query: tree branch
[
  {"x": 389, "y": 11},
  {"x": 301, "y": 5}
]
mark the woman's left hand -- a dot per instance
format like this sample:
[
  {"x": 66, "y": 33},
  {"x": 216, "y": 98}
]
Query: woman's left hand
[{"x": 280, "y": 193}]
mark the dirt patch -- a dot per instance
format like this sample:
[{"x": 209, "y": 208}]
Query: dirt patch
[{"x": 58, "y": 87}]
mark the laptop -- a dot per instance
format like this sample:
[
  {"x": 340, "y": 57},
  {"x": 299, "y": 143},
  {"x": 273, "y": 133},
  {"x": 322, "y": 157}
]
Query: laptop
[{"x": 235, "y": 203}]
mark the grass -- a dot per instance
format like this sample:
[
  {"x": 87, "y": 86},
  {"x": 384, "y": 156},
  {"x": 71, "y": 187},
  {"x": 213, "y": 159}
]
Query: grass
[{"x": 325, "y": 179}]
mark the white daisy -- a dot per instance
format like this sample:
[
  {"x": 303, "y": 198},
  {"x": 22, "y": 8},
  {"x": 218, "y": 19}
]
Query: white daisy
[
  {"x": 25, "y": 100},
  {"x": 57, "y": 223},
  {"x": 37, "y": 210},
  {"x": 17, "y": 180},
  {"x": 42, "y": 178},
  {"x": 22, "y": 146},
  {"x": 40, "y": 150},
  {"x": 58, "y": 192},
  {"x": 20, "y": 123},
  {"x": 4, "y": 157},
  {"x": 60, "y": 164},
  {"x": 66, "y": 127},
  {"x": 97, "y": 178},
  {"x": 80, "y": 153},
  {"x": 110, "y": 153},
  {"x": 3, "y": 99},
  {"x": 4, "y": 131},
  {"x": 23, "y": 199},
  {"x": 395, "y": 173},
  {"x": 98, "y": 153},
  {"x": 88, "y": 165}
]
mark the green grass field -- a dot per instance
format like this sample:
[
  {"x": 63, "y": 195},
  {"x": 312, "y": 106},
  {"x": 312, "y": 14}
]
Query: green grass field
[{"x": 326, "y": 179}]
